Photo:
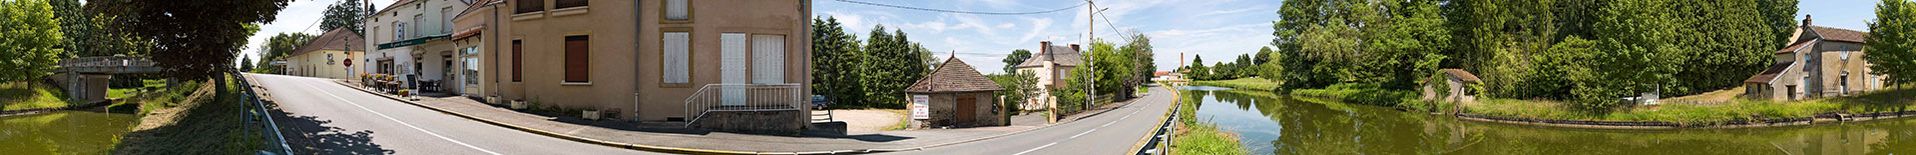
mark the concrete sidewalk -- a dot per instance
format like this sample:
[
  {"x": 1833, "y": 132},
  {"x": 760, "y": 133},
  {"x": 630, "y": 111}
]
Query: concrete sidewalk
[{"x": 630, "y": 135}]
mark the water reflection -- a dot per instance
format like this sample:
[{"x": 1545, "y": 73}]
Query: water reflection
[
  {"x": 1271, "y": 124},
  {"x": 63, "y": 132}
]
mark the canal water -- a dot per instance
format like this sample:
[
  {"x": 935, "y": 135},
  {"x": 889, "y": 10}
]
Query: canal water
[
  {"x": 1267, "y": 123},
  {"x": 63, "y": 132}
]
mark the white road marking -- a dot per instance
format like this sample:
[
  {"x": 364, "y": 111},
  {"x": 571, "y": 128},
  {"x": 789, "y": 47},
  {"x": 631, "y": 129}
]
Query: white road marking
[
  {"x": 343, "y": 99},
  {"x": 1035, "y": 149},
  {"x": 1082, "y": 133}
]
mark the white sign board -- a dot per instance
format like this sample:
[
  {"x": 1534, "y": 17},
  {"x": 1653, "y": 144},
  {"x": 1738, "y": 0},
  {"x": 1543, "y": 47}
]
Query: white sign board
[{"x": 920, "y": 107}]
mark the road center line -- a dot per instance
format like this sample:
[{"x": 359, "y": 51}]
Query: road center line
[
  {"x": 343, "y": 99},
  {"x": 1082, "y": 133},
  {"x": 1035, "y": 149}
]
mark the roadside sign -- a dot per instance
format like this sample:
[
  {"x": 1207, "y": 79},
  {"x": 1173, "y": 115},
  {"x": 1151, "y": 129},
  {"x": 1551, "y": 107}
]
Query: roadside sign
[{"x": 920, "y": 107}]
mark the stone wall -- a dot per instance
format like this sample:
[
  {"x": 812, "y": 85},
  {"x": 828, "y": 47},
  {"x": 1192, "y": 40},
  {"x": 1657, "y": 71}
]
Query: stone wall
[{"x": 781, "y": 122}]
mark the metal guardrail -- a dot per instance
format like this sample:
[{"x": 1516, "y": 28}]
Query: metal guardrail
[
  {"x": 106, "y": 61},
  {"x": 744, "y": 97},
  {"x": 1160, "y": 141},
  {"x": 270, "y": 128}
]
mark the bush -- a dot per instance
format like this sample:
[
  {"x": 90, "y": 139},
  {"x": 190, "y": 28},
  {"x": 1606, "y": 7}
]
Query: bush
[{"x": 1365, "y": 94}]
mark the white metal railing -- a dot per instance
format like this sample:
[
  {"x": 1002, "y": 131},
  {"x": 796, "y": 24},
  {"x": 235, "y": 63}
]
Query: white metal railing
[
  {"x": 744, "y": 97},
  {"x": 106, "y": 61}
]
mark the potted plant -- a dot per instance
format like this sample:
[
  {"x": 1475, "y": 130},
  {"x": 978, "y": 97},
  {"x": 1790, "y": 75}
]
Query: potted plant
[
  {"x": 405, "y": 93},
  {"x": 492, "y": 100}
]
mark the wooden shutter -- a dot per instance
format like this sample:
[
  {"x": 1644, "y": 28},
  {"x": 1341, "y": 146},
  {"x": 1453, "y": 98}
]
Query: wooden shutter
[
  {"x": 517, "y": 55},
  {"x": 732, "y": 68},
  {"x": 577, "y": 64},
  {"x": 677, "y": 53}
]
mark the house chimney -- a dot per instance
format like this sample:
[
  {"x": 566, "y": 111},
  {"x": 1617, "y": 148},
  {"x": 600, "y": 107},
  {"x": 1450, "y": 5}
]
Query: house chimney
[
  {"x": 1806, "y": 20},
  {"x": 1074, "y": 47},
  {"x": 1044, "y": 47}
]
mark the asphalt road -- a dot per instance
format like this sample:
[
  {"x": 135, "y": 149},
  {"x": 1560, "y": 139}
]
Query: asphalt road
[
  {"x": 1112, "y": 132},
  {"x": 326, "y": 118}
]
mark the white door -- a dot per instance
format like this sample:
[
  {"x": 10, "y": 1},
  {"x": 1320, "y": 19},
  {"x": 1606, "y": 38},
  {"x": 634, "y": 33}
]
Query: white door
[{"x": 732, "y": 68}]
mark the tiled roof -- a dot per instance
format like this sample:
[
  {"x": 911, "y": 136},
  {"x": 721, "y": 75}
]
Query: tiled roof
[
  {"x": 953, "y": 76},
  {"x": 1461, "y": 74},
  {"x": 1062, "y": 55},
  {"x": 469, "y": 32},
  {"x": 1793, "y": 47},
  {"x": 337, "y": 39},
  {"x": 1769, "y": 74},
  {"x": 1838, "y": 34}
]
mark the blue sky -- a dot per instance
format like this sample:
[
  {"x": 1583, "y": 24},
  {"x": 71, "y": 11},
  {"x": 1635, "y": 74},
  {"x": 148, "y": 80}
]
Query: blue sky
[{"x": 1215, "y": 29}]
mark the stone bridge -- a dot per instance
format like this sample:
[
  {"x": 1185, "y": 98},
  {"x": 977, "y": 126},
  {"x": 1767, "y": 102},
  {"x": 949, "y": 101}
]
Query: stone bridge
[{"x": 85, "y": 79}]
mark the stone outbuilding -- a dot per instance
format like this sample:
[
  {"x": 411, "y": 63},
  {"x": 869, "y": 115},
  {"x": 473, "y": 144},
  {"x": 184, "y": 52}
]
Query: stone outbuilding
[
  {"x": 958, "y": 96},
  {"x": 1819, "y": 62},
  {"x": 1455, "y": 87}
]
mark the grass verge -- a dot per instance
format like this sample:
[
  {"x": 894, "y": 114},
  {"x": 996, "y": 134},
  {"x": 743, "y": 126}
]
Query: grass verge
[
  {"x": 1896, "y": 99},
  {"x": 904, "y": 119},
  {"x": 1193, "y": 137},
  {"x": 196, "y": 121},
  {"x": 1252, "y": 83},
  {"x": 19, "y": 95}
]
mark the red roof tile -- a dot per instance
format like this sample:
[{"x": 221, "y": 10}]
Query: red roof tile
[
  {"x": 1838, "y": 34},
  {"x": 1769, "y": 74},
  {"x": 337, "y": 39},
  {"x": 1793, "y": 47},
  {"x": 1461, "y": 74}
]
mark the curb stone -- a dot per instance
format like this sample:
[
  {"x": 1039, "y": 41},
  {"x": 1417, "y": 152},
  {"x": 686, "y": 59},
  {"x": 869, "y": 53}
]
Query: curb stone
[{"x": 667, "y": 149}]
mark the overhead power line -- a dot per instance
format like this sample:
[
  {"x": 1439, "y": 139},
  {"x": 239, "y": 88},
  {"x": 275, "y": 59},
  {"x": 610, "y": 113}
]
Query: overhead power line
[{"x": 960, "y": 11}]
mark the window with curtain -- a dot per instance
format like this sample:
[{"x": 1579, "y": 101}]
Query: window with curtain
[
  {"x": 678, "y": 10},
  {"x": 577, "y": 63},
  {"x": 768, "y": 60},
  {"x": 528, "y": 6},
  {"x": 560, "y": 4},
  {"x": 677, "y": 57}
]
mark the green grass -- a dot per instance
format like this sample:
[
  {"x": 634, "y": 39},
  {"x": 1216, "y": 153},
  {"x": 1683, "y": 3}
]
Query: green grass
[
  {"x": 193, "y": 115},
  {"x": 1361, "y": 95},
  {"x": 1252, "y": 83},
  {"x": 1704, "y": 114},
  {"x": 18, "y": 95},
  {"x": 1193, "y": 137}
]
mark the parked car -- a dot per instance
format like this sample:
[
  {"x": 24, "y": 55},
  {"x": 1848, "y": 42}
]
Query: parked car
[{"x": 819, "y": 102}]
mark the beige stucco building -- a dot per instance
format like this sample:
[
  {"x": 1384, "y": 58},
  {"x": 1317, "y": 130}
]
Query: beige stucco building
[
  {"x": 410, "y": 40},
  {"x": 1051, "y": 65},
  {"x": 326, "y": 56},
  {"x": 1819, "y": 62},
  {"x": 644, "y": 60}
]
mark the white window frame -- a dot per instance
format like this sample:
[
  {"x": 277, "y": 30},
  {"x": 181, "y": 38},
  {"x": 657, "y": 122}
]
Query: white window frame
[{"x": 681, "y": 8}]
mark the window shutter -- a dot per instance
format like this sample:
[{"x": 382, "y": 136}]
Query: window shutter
[
  {"x": 768, "y": 62},
  {"x": 677, "y": 57},
  {"x": 732, "y": 68},
  {"x": 577, "y": 63},
  {"x": 517, "y": 57},
  {"x": 677, "y": 10}
]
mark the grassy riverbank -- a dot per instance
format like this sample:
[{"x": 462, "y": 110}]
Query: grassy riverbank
[
  {"x": 19, "y": 95},
  {"x": 1707, "y": 113},
  {"x": 1252, "y": 83},
  {"x": 1193, "y": 137},
  {"x": 192, "y": 115}
]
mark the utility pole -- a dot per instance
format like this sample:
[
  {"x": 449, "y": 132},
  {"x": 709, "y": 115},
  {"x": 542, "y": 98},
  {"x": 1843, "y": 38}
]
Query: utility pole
[{"x": 1091, "y": 26}]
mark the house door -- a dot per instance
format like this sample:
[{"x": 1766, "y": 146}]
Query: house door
[
  {"x": 732, "y": 68},
  {"x": 967, "y": 109}
]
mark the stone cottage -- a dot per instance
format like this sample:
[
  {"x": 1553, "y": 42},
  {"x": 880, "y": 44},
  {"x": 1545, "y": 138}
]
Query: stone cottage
[
  {"x": 958, "y": 96},
  {"x": 1819, "y": 62},
  {"x": 1453, "y": 88}
]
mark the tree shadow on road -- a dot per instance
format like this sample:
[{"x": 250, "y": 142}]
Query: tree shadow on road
[{"x": 311, "y": 135}]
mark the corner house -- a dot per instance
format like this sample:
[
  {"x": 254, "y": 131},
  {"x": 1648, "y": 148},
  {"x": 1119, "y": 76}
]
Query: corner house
[
  {"x": 410, "y": 42},
  {"x": 723, "y": 64},
  {"x": 326, "y": 56}
]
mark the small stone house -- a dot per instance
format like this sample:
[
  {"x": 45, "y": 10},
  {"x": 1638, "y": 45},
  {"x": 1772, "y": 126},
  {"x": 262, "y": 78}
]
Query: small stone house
[
  {"x": 1819, "y": 62},
  {"x": 1455, "y": 87},
  {"x": 959, "y": 96}
]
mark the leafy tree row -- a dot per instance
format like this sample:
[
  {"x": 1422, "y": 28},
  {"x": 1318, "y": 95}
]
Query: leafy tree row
[
  {"x": 1245, "y": 66},
  {"x": 1589, "y": 51},
  {"x": 870, "y": 74},
  {"x": 1119, "y": 70}
]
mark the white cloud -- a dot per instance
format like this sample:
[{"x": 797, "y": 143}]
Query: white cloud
[{"x": 1038, "y": 26}]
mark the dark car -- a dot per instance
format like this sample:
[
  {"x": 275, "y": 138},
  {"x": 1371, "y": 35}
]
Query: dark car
[{"x": 819, "y": 102}]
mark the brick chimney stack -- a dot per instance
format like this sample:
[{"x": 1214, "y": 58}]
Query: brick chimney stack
[
  {"x": 1044, "y": 46},
  {"x": 1806, "y": 20},
  {"x": 1074, "y": 47}
]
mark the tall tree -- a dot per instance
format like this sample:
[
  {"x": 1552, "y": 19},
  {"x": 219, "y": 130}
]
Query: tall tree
[
  {"x": 195, "y": 39},
  {"x": 32, "y": 40},
  {"x": 1779, "y": 16},
  {"x": 246, "y": 64},
  {"x": 1142, "y": 59},
  {"x": 345, "y": 14},
  {"x": 886, "y": 80},
  {"x": 836, "y": 62},
  {"x": 1016, "y": 57},
  {"x": 278, "y": 46},
  {"x": 1891, "y": 46}
]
